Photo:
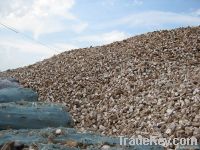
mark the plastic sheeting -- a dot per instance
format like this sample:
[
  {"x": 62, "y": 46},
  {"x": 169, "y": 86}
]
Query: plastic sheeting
[
  {"x": 8, "y": 83},
  {"x": 25, "y": 115},
  {"x": 15, "y": 94},
  {"x": 68, "y": 139}
]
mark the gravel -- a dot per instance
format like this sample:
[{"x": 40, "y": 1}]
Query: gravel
[{"x": 145, "y": 85}]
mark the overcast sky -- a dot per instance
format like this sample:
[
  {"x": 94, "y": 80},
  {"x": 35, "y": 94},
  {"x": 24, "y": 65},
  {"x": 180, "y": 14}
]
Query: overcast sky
[{"x": 67, "y": 24}]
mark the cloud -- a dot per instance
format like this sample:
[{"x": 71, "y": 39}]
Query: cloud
[
  {"x": 40, "y": 16},
  {"x": 197, "y": 12},
  {"x": 18, "y": 52},
  {"x": 157, "y": 19},
  {"x": 10, "y": 7},
  {"x": 64, "y": 47},
  {"x": 104, "y": 38},
  {"x": 137, "y": 2},
  {"x": 80, "y": 27},
  {"x": 129, "y": 2}
]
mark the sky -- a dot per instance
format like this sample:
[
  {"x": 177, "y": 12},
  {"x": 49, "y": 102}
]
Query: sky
[{"x": 40, "y": 29}]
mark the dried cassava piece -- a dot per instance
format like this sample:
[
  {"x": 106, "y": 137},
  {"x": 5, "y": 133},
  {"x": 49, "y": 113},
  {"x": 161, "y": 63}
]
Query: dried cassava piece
[{"x": 145, "y": 85}]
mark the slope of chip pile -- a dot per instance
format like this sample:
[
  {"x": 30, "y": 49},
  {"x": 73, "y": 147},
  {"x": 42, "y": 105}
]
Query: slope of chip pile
[{"x": 145, "y": 85}]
